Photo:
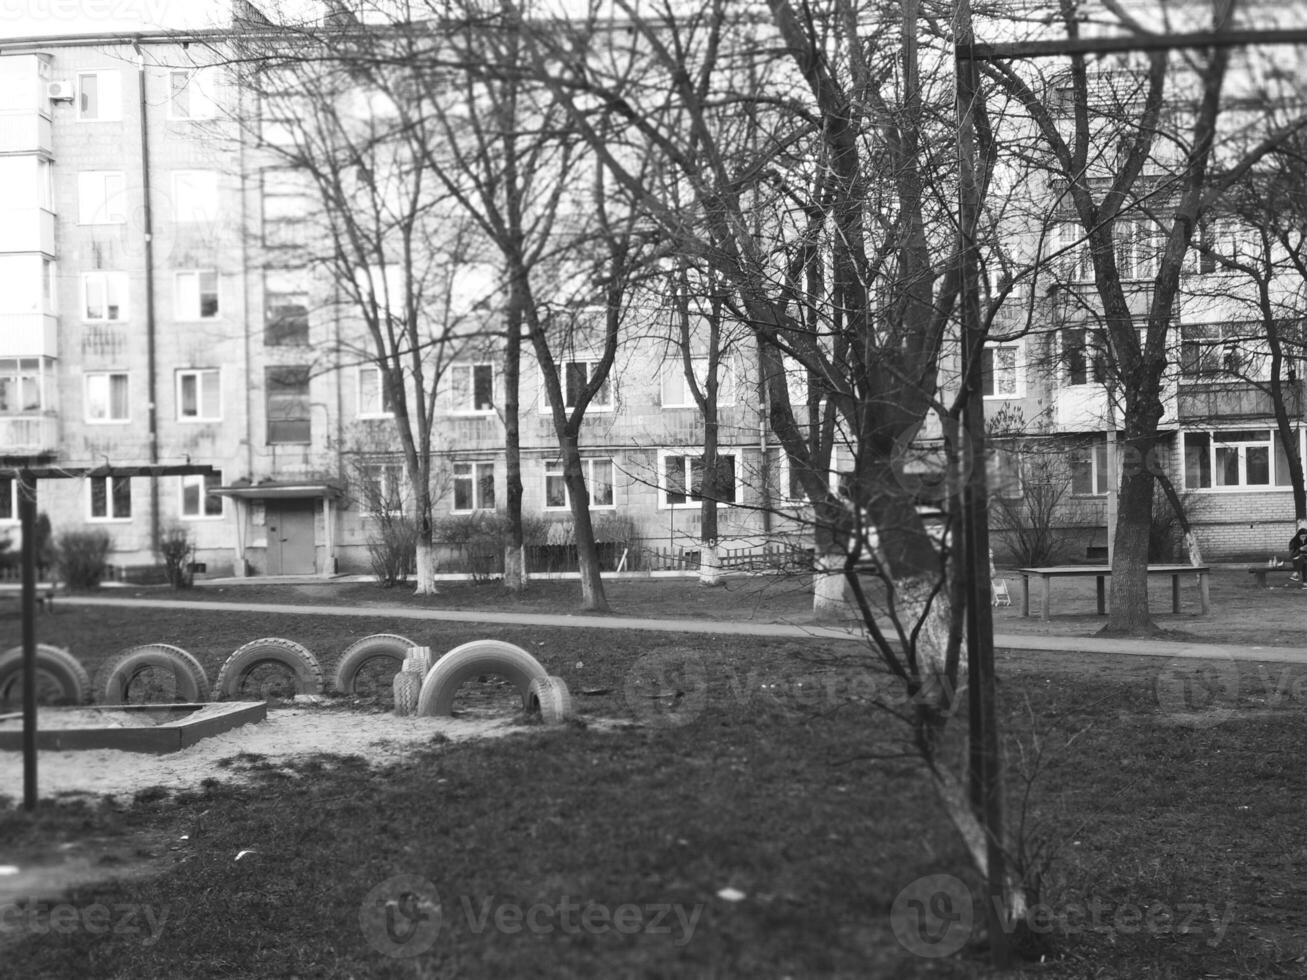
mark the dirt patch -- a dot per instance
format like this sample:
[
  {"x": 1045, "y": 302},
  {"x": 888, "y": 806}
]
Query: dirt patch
[{"x": 288, "y": 732}]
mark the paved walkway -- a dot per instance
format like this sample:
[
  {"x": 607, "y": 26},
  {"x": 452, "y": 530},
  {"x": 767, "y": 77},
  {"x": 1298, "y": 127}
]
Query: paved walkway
[{"x": 1006, "y": 641}]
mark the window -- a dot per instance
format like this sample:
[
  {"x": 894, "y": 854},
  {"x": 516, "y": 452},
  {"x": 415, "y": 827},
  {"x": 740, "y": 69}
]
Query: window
[
  {"x": 374, "y": 398},
  {"x": 285, "y": 308},
  {"x": 194, "y": 196},
  {"x": 576, "y": 374},
  {"x": 474, "y": 487},
  {"x": 99, "y": 96},
  {"x": 1072, "y": 252},
  {"x": 1213, "y": 350},
  {"x": 1082, "y": 352},
  {"x": 190, "y": 94},
  {"x": 20, "y": 385},
  {"x": 101, "y": 197},
  {"x": 287, "y": 205},
  {"x": 8, "y": 500},
  {"x": 197, "y": 295},
  {"x": 1089, "y": 469},
  {"x": 1216, "y": 240},
  {"x": 106, "y": 396},
  {"x": 287, "y": 392},
  {"x": 104, "y": 296},
  {"x": 1238, "y": 458},
  {"x": 199, "y": 395},
  {"x": 1000, "y": 373},
  {"x": 111, "y": 498},
  {"x": 473, "y": 388},
  {"x": 1003, "y": 472},
  {"x": 684, "y": 482},
  {"x": 598, "y": 475},
  {"x": 675, "y": 389},
  {"x": 1138, "y": 245},
  {"x": 197, "y": 498},
  {"x": 382, "y": 487},
  {"x": 49, "y": 285}
]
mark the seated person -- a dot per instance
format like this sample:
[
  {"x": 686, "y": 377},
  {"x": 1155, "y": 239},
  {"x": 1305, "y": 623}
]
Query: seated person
[{"x": 1298, "y": 552}]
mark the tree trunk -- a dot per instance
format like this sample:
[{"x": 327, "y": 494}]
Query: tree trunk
[
  {"x": 1129, "y": 592},
  {"x": 515, "y": 572},
  {"x": 828, "y": 603},
  {"x": 425, "y": 561},
  {"x": 710, "y": 563},
  {"x": 587, "y": 554}
]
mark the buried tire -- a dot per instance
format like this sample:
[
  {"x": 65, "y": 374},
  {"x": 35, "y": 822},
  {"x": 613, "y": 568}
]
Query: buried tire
[
  {"x": 59, "y": 675},
  {"x": 288, "y": 657},
  {"x": 470, "y": 660},
  {"x": 551, "y": 698},
  {"x": 186, "y": 681},
  {"x": 366, "y": 652}
]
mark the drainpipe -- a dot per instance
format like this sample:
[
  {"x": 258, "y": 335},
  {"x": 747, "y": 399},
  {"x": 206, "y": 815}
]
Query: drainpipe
[{"x": 147, "y": 228}]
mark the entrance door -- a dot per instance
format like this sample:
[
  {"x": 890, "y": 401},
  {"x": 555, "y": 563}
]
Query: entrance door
[{"x": 291, "y": 548}]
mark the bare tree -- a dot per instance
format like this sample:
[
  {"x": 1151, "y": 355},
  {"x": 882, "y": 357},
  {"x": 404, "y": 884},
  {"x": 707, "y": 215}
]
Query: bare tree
[
  {"x": 365, "y": 213},
  {"x": 1131, "y": 142}
]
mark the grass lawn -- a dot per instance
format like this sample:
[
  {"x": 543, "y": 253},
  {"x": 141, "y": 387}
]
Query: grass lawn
[{"x": 605, "y": 850}]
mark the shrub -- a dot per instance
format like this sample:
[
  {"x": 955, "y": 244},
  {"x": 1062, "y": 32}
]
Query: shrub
[
  {"x": 392, "y": 550},
  {"x": 479, "y": 538},
  {"x": 82, "y": 557},
  {"x": 176, "y": 549}
]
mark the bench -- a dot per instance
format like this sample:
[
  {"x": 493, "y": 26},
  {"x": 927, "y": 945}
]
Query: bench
[
  {"x": 1259, "y": 572},
  {"x": 1101, "y": 573},
  {"x": 13, "y": 592}
]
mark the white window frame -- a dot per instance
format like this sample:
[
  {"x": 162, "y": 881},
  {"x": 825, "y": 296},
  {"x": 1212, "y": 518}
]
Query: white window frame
[
  {"x": 17, "y": 371},
  {"x": 1018, "y": 369},
  {"x": 688, "y": 456},
  {"x": 88, "y": 383},
  {"x": 111, "y": 516},
  {"x": 475, "y": 475},
  {"x": 463, "y": 394},
  {"x": 554, "y": 469},
  {"x": 108, "y": 285},
  {"x": 595, "y": 405},
  {"x": 195, "y": 197},
  {"x": 1240, "y": 447},
  {"x": 381, "y": 411},
  {"x": 675, "y": 371},
  {"x": 1095, "y": 452},
  {"x": 198, "y": 376},
  {"x": 101, "y": 197},
  {"x": 186, "y": 311},
  {"x": 108, "y": 94},
  {"x": 198, "y": 84},
  {"x": 388, "y": 476},
  {"x": 200, "y": 482}
]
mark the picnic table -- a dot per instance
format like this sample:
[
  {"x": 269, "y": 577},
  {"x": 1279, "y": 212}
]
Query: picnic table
[{"x": 1101, "y": 573}]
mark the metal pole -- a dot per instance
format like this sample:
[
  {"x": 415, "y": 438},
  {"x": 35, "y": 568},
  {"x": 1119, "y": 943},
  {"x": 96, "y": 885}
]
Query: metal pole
[
  {"x": 986, "y": 784},
  {"x": 27, "y": 520}
]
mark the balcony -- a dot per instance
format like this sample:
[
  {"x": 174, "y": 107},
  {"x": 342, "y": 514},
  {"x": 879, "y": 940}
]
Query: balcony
[
  {"x": 1206, "y": 401},
  {"x": 27, "y": 230},
  {"x": 25, "y": 132},
  {"x": 23, "y": 435},
  {"x": 29, "y": 335}
]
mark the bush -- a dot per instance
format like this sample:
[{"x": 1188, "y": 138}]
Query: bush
[
  {"x": 82, "y": 557},
  {"x": 479, "y": 538},
  {"x": 176, "y": 549},
  {"x": 392, "y": 550}
]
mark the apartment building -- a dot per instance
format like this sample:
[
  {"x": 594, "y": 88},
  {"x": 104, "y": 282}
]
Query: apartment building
[{"x": 144, "y": 320}]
